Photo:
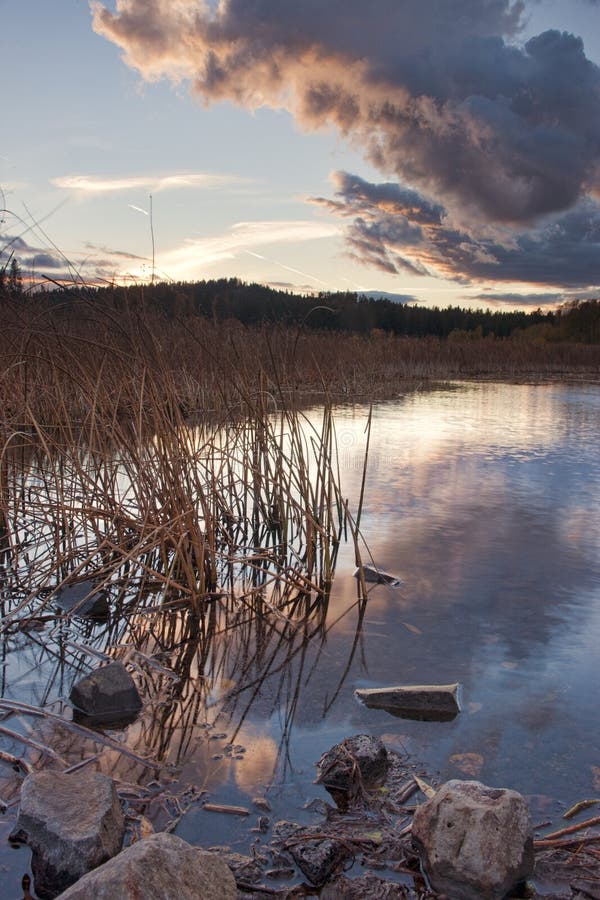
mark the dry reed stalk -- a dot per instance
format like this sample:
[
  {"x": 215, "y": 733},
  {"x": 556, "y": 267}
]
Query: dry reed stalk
[{"x": 118, "y": 494}]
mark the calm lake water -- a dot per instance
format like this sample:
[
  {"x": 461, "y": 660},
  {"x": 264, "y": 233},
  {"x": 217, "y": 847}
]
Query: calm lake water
[{"x": 482, "y": 499}]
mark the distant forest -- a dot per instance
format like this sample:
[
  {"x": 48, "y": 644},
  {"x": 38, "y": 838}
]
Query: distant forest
[{"x": 255, "y": 304}]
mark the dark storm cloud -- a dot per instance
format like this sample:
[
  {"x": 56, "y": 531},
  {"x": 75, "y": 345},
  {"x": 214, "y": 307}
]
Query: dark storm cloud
[
  {"x": 395, "y": 200},
  {"x": 437, "y": 92},
  {"x": 564, "y": 250},
  {"x": 29, "y": 257},
  {"x": 41, "y": 261}
]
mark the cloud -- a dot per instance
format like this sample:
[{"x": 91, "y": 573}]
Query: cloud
[
  {"x": 517, "y": 299},
  {"x": 418, "y": 237},
  {"x": 191, "y": 259},
  {"x": 95, "y": 266},
  {"x": 438, "y": 92},
  {"x": 94, "y": 184},
  {"x": 513, "y": 299},
  {"x": 121, "y": 254},
  {"x": 387, "y": 295}
]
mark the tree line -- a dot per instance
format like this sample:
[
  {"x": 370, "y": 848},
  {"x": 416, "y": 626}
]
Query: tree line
[{"x": 350, "y": 312}]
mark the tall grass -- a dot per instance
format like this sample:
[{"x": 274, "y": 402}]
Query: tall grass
[
  {"x": 174, "y": 455},
  {"x": 105, "y": 475}
]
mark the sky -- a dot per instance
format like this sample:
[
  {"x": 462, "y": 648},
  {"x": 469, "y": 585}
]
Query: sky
[{"x": 444, "y": 151}]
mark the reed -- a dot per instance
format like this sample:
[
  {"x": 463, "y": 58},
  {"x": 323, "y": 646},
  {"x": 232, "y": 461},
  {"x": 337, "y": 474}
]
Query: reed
[{"x": 110, "y": 472}]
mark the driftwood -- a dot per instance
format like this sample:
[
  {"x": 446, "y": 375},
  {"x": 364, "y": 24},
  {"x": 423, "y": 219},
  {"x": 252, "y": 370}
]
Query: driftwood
[
  {"x": 223, "y": 808},
  {"x": 569, "y": 842},
  {"x": 578, "y": 807},
  {"x": 579, "y": 826}
]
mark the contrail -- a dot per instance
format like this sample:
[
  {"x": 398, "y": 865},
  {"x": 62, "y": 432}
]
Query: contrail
[{"x": 283, "y": 266}]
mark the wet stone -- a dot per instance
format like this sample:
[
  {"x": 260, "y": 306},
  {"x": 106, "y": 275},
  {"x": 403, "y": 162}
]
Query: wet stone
[
  {"x": 375, "y": 575},
  {"x": 243, "y": 868},
  {"x": 85, "y": 599},
  {"x": 474, "y": 842},
  {"x": 318, "y": 859},
  {"x": 424, "y": 702},
  {"x": 162, "y": 865},
  {"x": 356, "y": 764},
  {"x": 73, "y": 823},
  {"x": 107, "y": 695}
]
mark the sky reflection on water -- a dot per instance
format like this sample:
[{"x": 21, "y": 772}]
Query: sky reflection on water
[{"x": 482, "y": 498}]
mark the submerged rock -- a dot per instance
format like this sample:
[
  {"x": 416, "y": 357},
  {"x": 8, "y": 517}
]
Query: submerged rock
[
  {"x": 375, "y": 575},
  {"x": 474, "y": 842},
  {"x": 160, "y": 866},
  {"x": 425, "y": 702},
  {"x": 107, "y": 695},
  {"x": 356, "y": 764},
  {"x": 73, "y": 823},
  {"x": 85, "y": 599}
]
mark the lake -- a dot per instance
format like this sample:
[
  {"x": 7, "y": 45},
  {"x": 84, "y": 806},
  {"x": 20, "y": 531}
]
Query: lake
[{"x": 482, "y": 500}]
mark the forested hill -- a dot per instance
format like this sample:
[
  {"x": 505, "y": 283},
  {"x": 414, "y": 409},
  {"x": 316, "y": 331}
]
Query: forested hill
[{"x": 255, "y": 304}]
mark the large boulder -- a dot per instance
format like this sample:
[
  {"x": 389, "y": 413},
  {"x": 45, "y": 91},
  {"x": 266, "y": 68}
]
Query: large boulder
[
  {"x": 474, "y": 842},
  {"x": 107, "y": 695},
  {"x": 72, "y": 823},
  {"x": 160, "y": 867}
]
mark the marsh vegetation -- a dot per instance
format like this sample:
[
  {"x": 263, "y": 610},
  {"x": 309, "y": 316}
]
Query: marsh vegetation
[{"x": 190, "y": 471}]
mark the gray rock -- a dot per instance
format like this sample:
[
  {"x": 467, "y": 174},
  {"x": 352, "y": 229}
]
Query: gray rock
[
  {"x": 425, "y": 702},
  {"x": 161, "y": 867},
  {"x": 375, "y": 575},
  {"x": 360, "y": 762},
  {"x": 73, "y": 823},
  {"x": 106, "y": 695},
  {"x": 318, "y": 859},
  {"x": 85, "y": 599},
  {"x": 474, "y": 842},
  {"x": 243, "y": 868}
]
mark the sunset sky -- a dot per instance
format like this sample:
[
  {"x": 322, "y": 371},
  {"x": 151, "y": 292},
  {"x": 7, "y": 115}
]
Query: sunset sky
[{"x": 446, "y": 151}]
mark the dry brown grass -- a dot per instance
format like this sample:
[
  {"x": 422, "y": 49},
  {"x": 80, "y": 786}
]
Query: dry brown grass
[{"x": 175, "y": 454}]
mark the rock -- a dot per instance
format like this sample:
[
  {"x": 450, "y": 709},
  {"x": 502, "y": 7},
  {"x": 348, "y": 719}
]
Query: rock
[
  {"x": 85, "y": 599},
  {"x": 160, "y": 867},
  {"x": 376, "y": 575},
  {"x": 425, "y": 702},
  {"x": 474, "y": 842},
  {"x": 360, "y": 762},
  {"x": 73, "y": 823},
  {"x": 365, "y": 888},
  {"x": 243, "y": 868},
  {"x": 107, "y": 695},
  {"x": 318, "y": 859}
]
